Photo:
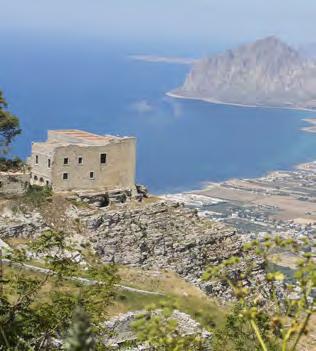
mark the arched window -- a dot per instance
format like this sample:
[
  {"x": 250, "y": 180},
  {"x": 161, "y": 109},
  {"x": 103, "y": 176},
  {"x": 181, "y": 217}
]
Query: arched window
[
  {"x": 35, "y": 177},
  {"x": 42, "y": 180}
]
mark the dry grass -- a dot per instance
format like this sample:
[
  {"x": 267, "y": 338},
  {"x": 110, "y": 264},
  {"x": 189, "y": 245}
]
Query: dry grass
[
  {"x": 308, "y": 342},
  {"x": 185, "y": 296},
  {"x": 16, "y": 242},
  {"x": 284, "y": 259},
  {"x": 47, "y": 287},
  {"x": 176, "y": 292}
]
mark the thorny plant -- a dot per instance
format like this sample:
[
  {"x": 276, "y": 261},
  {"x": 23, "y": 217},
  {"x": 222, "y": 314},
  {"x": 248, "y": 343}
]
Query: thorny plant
[{"x": 287, "y": 307}]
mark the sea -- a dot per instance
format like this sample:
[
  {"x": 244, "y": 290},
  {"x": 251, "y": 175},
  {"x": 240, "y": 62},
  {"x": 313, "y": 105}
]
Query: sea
[{"x": 181, "y": 145}]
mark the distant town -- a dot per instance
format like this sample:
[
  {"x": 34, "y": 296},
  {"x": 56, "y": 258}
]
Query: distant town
[{"x": 282, "y": 202}]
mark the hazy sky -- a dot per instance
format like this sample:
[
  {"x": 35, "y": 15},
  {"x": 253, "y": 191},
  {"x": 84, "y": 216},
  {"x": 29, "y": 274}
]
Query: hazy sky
[{"x": 183, "y": 20}]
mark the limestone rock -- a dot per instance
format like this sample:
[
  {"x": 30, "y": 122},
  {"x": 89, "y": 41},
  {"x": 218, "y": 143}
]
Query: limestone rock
[
  {"x": 14, "y": 183},
  {"x": 21, "y": 225},
  {"x": 121, "y": 331},
  {"x": 265, "y": 73},
  {"x": 167, "y": 236}
]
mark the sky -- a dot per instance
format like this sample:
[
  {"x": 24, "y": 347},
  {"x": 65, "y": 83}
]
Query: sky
[{"x": 203, "y": 21}]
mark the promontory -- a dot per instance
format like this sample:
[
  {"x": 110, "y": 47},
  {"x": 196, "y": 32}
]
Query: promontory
[{"x": 267, "y": 72}]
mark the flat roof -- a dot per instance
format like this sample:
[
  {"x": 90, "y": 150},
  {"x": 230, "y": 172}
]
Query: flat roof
[
  {"x": 82, "y": 135},
  {"x": 66, "y": 137}
]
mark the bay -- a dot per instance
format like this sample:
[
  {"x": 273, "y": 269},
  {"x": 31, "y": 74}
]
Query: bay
[{"x": 181, "y": 144}]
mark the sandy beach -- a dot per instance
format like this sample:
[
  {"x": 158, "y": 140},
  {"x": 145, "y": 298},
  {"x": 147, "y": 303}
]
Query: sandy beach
[
  {"x": 218, "y": 102},
  {"x": 311, "y": 129}
]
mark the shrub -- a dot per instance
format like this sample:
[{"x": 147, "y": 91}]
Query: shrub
[
  {"x": 13, "y": 165},
  {"x": 37, "y": 195}
]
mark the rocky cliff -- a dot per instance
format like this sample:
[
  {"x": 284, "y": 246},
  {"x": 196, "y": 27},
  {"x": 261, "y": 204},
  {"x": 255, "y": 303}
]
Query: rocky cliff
[
  {"x": 168, "y": 236},
  {"x": 265, "y": 73},
  {"x": 154, "y": 235}
]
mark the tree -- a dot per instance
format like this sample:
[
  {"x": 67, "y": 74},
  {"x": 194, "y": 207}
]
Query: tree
[
  {"x": 9, "y": 126},
  {"x": 80, "y": 336},
  {"x": 36, "y": 308}
]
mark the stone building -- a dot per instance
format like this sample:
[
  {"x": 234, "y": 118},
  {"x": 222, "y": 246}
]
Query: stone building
[{"x": 75, "y": 160}]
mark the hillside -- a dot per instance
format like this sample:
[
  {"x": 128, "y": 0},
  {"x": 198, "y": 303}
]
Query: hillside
[
  {"x": 267, "y": 72},
  {"x": 154, "y": 235}
]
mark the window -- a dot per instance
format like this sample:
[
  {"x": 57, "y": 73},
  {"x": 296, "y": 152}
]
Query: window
[
  {"x": 65, "y": 176},
  {"x": 42, "y": 180},
  {"x": 103, "y": 158},
  {"x": 48, "y": 163},
  {"x": 80, "y": 160},
  {"x": 47, "y": 183},
  {"x": 66, "y": 161},
  {"x": 91, "y": 175},
  {"x": 36, "y": 159},
  {"x": 35, "y": 177}
]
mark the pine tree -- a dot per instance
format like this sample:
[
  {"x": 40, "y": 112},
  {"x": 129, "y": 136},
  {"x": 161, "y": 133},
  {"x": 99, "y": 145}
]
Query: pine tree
[
  {"x": 9, "y": 126},
  {"x": 79, "y": 336}
]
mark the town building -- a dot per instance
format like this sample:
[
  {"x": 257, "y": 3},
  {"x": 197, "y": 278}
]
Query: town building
[{"x": 75, "y": 160}]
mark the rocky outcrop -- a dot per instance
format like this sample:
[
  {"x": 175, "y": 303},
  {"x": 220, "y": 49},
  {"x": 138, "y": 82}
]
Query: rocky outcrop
[
  {"x": 265, "y": 73},
  {"x": 150, "y": 235},
  {"x": 122, "y": 333},
  {"x": 13, "y": 183},
  {"x": 99, "y": 199},
  {"x": 167, "y": 236},
  {"x": 21, "y": 225}
]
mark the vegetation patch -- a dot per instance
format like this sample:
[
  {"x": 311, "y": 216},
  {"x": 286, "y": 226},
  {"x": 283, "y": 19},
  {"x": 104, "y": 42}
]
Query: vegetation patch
[
  {"x": 11, "y": 165},
  {"x": 36, "y": 195}
]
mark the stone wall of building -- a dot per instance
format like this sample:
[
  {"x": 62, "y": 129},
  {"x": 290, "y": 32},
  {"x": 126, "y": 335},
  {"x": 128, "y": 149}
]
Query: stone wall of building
[
  {"x": 13, "y": 183},
  {"x": 117, "y": 173},
  {"x": 40, "y": 163}
]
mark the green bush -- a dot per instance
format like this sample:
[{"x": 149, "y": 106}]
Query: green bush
[
  {"x": 37, "y": 195},
  {"x": 13, "y": 165}
]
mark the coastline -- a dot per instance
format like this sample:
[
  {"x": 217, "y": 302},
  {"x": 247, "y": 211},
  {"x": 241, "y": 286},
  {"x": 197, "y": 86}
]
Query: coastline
[
  {"x": 164, "y": 59},
  {"x": 312, "y": 128},
  {"x": 255, "y": 205},
  {"x": 218, "y": 102},
  {"x": 205, "y": 185},
  {"x": 306, "y": 166}
]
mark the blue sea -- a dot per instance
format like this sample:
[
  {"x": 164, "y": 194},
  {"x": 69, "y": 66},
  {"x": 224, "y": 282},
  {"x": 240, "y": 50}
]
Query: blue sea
[{"x": 95, "y": 86}]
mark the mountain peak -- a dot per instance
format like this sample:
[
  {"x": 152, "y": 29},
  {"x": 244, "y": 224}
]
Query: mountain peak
[
  {"x": 267, "y": 72},
  {"x": 274, "y": 40},
  {"x": 272, "y": 51}
]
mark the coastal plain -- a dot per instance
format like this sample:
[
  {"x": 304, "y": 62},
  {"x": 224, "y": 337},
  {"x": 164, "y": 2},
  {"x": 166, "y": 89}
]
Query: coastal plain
[{"x": 280, "y": 202}]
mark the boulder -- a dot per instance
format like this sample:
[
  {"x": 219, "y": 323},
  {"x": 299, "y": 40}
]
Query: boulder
[{"x": 122, "y": 333}]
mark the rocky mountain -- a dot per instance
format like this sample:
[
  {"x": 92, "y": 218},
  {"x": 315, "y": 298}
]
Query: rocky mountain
[
  {"x": 267, "y": 72},
  {"x": 167, "y": 236},
  {"x": 156, "y": 236}
]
